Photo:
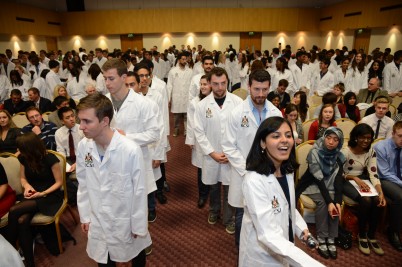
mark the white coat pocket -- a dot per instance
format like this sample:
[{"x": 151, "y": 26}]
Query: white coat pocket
[{"x": 119, "y": 183}]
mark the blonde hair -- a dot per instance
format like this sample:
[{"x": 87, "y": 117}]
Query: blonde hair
[{"x": 56, "y": 91}]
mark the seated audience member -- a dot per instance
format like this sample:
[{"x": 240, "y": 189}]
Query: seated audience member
[
  {"x": 371, "y": 109},
  {"x": 369, "y": 94},
  {"x": 268, "y": 230},
  {"x": 389, "y": 171},
  {"x": 41, "y": 103},
  {"x": 300, "y": 100},
  {"x": 274, "y": 99},
  {"x": 7, "y": 194},
  {"x": 322, "y": 182},
  {"x": 292, "y": 116},
  {"x": 59, "y": 102},
  {"x": 338, "y": 90},
  {"x": 281, "y": 92},
  {"x": 349, "y": 108},
  {"x": 90, "y": 88},
  {"x": 381, "y": 124},
  {"x": 9, "y": 133},
  {"x": 15, "y": 104},
  {"x": 361, "y": 168},
  {"x": 60, "y": 90},
  {"x": 328, "y": 98},
  {"x": 43, "y": 129},
  {"x": 18, "y": 83},
  {"x": 325, "y": 120},
  {"x": 41, "y": 178},
  {"x": 68, "y": 136}
]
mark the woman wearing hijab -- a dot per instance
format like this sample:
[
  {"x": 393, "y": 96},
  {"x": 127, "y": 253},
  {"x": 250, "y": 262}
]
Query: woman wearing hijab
[{"x": 322, "y": 182}]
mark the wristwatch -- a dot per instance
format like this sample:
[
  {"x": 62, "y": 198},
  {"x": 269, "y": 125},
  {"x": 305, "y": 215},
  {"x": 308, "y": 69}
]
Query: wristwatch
[{"x": 44, "y": 193}]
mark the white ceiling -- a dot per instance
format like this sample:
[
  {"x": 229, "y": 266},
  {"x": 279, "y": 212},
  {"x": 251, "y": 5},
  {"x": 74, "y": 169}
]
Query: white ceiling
[{"x": 60, "y": 5}]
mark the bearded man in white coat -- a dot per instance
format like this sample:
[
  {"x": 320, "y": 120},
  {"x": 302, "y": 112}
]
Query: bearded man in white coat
[
  {"x": 112, "y": 194},
  {"x": 179, "y": 80},
  {"x": 210, "y": 120},
  {"x": 240, "y": 130}
]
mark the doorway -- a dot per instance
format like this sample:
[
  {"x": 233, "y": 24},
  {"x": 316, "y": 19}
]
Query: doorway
[
  {"x": 362, "y": 39},
  {"x": 51, "y": 43},
  {"x": 131, "y": 41},
  {"x": 250, "y": 41}
]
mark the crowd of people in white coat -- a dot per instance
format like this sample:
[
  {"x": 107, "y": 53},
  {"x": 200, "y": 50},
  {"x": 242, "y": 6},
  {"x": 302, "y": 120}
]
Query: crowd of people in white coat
[{"x": 228, "y": 135}]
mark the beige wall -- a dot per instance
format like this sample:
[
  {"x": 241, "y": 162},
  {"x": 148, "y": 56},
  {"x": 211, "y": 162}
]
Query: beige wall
[
  {"x": 337, "y": 39},
  {"x": 388, "y": 37},
  {"x": 294, "y": 39},
  {"x": 26, "y": 43},
  {"x": 110, "y": 42},
  {"x": 210, "y": 41}
]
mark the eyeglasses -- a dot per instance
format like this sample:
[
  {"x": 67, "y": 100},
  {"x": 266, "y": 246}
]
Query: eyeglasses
[{"x": 147, "y": 76}]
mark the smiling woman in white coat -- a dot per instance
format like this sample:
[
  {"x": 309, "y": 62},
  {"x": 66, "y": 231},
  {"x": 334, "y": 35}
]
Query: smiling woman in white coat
[{"x": 270, "y": 219}]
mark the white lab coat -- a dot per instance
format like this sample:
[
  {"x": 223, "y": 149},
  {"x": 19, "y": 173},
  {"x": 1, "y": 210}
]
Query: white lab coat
[
  {"x": 358, "y": 80},
  {"x": 196, "y": 154},
  {"x": 41, "y": 85},
  {"x": 10, "y": 67},
  {"x": 138, "y": 119},
  {"x": 41, "y": 67},
  {"x": 101, "y": 84},
  {"x": 157, "y": 70},
  {"x": 210, "y": 121},
  {"x": 157, "y": 150},
  {"x": 264, "y": 237},
  {"x": 322, "y": 86},
  {"x": 195, "y": 86},
  {"x": 243, "y": 73},
  {"x": 301, "y": 77},
  {"x": 76, "y": 90},
  {"x": 112, "y": 198},
  {"x": 178, "y": 83},
  {"x": 160, "y": 86},
  {"x": 339, "y": 77},
  {"x": 392, "y": 81},
  {"x": 238, "y": 138},
  {"x": 287, "y": 75},
  {"x": 5, "y": 88},
  {"x": 52, "y": 80}
]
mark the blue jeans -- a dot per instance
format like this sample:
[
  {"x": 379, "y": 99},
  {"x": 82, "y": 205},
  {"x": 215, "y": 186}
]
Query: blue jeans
[
  {"x": 203, "y": 189},
  {"x": 215, "y": 202}
]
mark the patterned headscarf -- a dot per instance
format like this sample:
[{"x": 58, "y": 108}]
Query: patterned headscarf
[{"x": 327, "y": 158}]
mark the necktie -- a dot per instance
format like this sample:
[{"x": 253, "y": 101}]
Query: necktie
[
  {"x": 71, "y": 146},
  {"x": 377, "y": 130},
  {"x": 398, "y": 162}
]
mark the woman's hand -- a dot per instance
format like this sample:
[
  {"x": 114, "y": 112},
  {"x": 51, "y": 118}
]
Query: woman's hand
[
  {"x": 381, "y": 200},
  {"x": 334, "y": 210},
  {"x": 362, "y": 185},
  {"x": 29, "y": 191}
]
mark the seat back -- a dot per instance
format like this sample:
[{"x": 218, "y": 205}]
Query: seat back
[
  {"x": 62, "y": 163},
  {"x": 346, "y": 125},
  {"x": 11, "y": 165},
  {"x": 396, "y": 101},
  {"x": 393, "y": 111},
  {"x": 311, "y": 111},
  {"x": 45, "y": 115},
  {"x": 20, "y": 119},
  {"x": 316, "y": 100},
  {"x": 306, "y": 127},
  {"x": 302, "y": 151},
  {"x": 242, "y": 93}
]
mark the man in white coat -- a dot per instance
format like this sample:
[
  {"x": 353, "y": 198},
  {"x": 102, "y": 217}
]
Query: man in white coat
[
  {"x": 322, "y": 81},
  {"x": 393, "y": 76},
  {"x": 210, "y": 120},
  {"x": 112, "y": 194},
  {"x": 133, "y": 117},
  {"x": 301, "y": 72},
  {"x": 240, "y": 131},
  {"x": 52, "y": 79},
  {"x": 179, "y": 80},
  {"x": 207, "y": 65}
]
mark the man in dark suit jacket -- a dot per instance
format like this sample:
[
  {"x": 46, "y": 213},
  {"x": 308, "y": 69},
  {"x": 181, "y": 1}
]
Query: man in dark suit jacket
[
  {"x": 15, "y": 104},
  {"x": 280, "y": 91},
  {"x": 369, "y": 94},
  {"x": 41, "y": 103}
]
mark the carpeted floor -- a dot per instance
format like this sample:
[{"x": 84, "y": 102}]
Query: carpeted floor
[{"x": 182, "y": 236}]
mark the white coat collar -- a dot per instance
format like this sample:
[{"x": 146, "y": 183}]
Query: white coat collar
[{"x": 93, "y": 150}]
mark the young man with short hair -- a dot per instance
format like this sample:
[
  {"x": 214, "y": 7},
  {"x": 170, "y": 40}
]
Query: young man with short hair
[
  {"x": 112, "y": 194},
  {"x": 44, "y": 129},
  {"x": 210, "y": 120},
  {"x": 381, "y": 124},
  {"x": 389, "y": 171}
]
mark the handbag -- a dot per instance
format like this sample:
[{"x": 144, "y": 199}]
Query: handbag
[
  {"x": 344, "y": 239},
  {"x": 350, "y": 222}
]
